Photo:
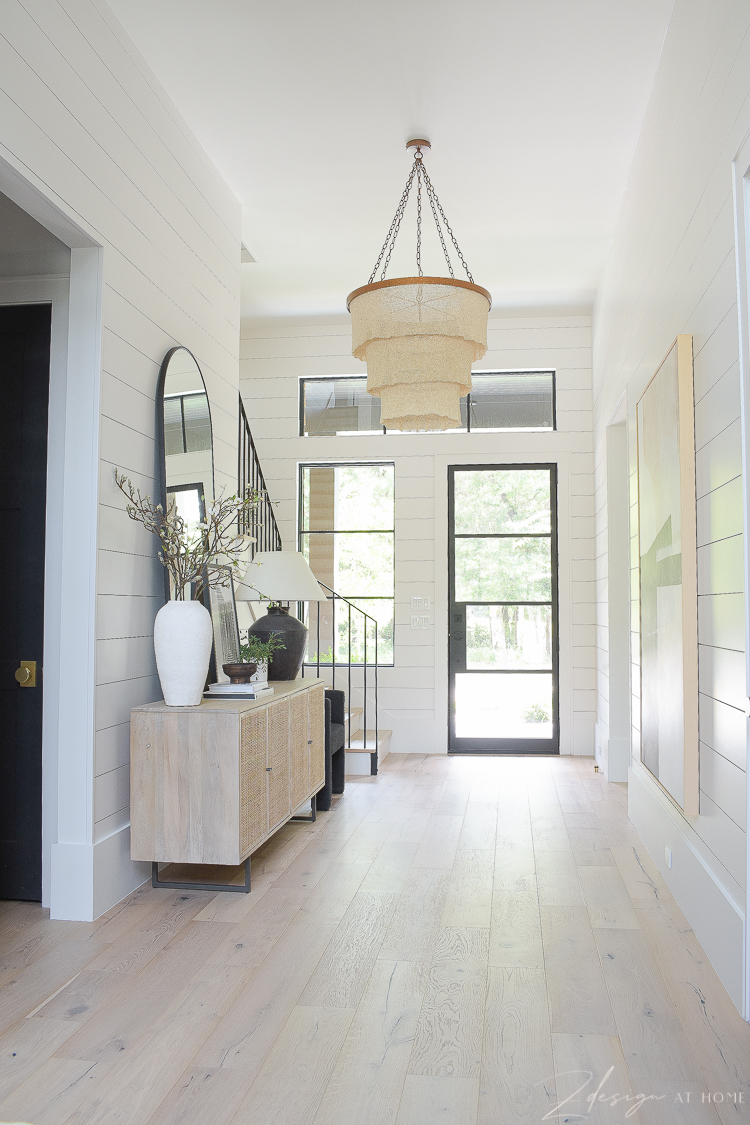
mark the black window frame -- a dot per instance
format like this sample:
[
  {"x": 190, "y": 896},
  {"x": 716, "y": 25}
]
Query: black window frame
[
  {"x": 182, "y": 395},
  {"x": 372, "y": 531},
  {"x": 465, "y": 399}
]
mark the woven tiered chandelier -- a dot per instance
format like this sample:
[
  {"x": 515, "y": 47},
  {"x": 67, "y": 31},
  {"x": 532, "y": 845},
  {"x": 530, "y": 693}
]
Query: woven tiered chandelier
[{"x": 419, "y": 335}]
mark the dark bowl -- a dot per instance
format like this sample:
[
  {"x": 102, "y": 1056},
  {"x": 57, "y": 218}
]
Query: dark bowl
[{"x": 240, "y": 673}]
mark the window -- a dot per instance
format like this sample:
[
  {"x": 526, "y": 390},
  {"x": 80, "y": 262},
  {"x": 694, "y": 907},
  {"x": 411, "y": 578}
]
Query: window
[
  {"x": 338, "y": 406},
  {"x": 499, "y": 400},
  {"x": 511, "y": 400},
  {"x": 347, "y": 533},
  {"x": 187, "y": 423}
]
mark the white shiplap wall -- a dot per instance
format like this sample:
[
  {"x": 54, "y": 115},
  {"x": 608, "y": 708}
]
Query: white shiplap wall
[
  {"x": 671, "y": 269},
  {"x": 275, "y": 354},
  {"x": 83, "y": 120}
]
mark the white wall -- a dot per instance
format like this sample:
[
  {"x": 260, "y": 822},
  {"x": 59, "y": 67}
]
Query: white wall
[
  {"x": 93, "y": 148},
  {"x": 670, "y": 270},
  {"x": 275, "y": 354}
]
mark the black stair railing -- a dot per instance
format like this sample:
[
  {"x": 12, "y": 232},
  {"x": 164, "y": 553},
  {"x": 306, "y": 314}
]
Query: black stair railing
[
  {"x": 352, "y": 638},
  {"x": 346, "y": 626},
  {"x": 261, "y": 521}
]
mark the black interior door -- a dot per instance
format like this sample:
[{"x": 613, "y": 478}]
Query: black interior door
[
  {"x": 24, "y": 376},
  {"x": 502, "y": 635}
]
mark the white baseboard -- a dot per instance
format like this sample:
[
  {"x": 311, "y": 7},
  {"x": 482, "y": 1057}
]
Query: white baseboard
[
  {"x": 72, "y": 882},
  {"x": 711, "y": 909},
  {"x": 87, "y": 879},
  {"x": 358, "y": 764},
  {"x": 115, "y": 873},
  {"x": 618, "y": 759}
]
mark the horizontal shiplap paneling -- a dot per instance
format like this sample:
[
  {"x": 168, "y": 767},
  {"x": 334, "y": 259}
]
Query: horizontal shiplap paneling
[
  {"x": 274, "y": 356},
  {"x": 671, "y": 269},
  {"x": 84, "y": 118}
]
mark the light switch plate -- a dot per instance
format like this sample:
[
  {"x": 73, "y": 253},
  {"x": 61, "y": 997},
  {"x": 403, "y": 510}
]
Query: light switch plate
[
  {"x": 418, "y": 622},
  {"x": 418, "y": 602},
  {"x": 668, "y": 857}
]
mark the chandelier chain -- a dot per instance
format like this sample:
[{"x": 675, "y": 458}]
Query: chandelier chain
[
  {"x": 431, "y": 190},
  {"x": 440, "y": 233},
  {"x": 419, "y": 217},
  {"x": 393, "y": 242},
  {"x": 394, "y": 228},
  {"x": 418, "y": 170}
]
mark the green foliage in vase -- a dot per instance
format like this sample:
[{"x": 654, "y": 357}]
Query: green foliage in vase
[
  {"x": 189, "y": 554},
  {"x": 255, "y": 651}
]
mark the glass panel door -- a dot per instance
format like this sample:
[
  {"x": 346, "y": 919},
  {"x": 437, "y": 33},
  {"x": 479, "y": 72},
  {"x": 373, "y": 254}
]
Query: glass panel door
[{"x": 502, "y": 634}]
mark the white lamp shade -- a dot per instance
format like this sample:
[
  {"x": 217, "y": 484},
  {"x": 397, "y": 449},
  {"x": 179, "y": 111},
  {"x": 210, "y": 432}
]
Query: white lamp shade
[{"x": 279, "y": 576}]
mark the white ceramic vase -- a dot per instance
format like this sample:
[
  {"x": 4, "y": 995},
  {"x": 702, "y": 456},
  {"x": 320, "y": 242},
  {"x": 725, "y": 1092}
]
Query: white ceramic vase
[{"x": 182, "y": 641}]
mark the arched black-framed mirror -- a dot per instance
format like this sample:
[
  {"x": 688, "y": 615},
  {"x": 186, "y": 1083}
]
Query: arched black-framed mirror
[{"x": 184, "y": 438}]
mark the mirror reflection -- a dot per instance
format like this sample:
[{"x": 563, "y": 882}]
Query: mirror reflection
[{"x": 188, "y": 451}]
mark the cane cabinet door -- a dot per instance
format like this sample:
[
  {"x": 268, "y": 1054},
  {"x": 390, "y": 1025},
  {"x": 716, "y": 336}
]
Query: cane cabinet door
[
  {"x": 299, "y": 748},
  {"x": 277, "y": 764},
  {"x": 253, "y": 798},
  {"x": 316, "y": 737}
]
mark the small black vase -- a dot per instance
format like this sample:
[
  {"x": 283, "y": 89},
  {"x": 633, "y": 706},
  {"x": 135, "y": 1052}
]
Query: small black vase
[{"x": 286, "y": 662}]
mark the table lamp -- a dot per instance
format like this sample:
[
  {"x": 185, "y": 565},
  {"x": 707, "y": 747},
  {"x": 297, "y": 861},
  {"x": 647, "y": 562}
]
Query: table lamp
[{"x": 275, "y": 577}]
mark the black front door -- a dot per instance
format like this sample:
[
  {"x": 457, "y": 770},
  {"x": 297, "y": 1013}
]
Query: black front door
[
  {"x": 24, "y": 379},
  {"x": 502, "y": 635}
]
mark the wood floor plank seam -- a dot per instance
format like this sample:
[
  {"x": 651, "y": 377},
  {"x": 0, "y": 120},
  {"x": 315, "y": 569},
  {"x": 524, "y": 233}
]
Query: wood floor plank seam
[{"x": 451, "y": 936}]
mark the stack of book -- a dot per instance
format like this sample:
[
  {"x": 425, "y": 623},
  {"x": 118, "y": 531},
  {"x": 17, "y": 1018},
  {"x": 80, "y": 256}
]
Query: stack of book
[{"x": 253, "y": 690}]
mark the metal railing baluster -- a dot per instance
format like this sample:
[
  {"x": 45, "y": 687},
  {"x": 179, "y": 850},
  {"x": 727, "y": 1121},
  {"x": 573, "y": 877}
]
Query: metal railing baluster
[
  {"x": 338, "y": 602},
  {"x": 261, "y": 524}
]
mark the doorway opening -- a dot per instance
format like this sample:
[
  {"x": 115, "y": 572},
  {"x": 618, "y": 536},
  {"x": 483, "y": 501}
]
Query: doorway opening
[
  {"x": 25, "y": 342},
  {"x": 503, "y": 661}
]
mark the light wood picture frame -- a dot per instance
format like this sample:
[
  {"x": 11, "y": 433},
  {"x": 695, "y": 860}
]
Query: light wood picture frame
[
  {"x": 224, "y": 618},
  {"x": 668, "y": 578}
]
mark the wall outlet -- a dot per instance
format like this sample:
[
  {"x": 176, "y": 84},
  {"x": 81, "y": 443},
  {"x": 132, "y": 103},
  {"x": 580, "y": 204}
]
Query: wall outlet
[
  {"x": 668, "y": 857},
  {"x": 419, "y": 622},
  {"x": 419, "y": 602}
]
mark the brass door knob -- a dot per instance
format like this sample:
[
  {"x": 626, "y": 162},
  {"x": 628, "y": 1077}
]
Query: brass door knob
[{"x": 26, "y": 673}]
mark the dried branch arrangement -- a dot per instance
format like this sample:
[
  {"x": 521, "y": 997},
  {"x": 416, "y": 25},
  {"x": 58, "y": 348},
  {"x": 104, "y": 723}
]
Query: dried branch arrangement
[{"x": 189, "y": 553}]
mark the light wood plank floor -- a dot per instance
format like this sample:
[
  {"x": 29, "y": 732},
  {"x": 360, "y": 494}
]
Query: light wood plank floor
[{"x": 468, "y": 941}]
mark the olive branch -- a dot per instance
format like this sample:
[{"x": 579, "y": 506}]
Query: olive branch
[{"x": 189, "y": 554}]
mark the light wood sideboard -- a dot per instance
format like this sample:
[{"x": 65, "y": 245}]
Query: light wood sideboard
[{"x": 209, "y": 784}]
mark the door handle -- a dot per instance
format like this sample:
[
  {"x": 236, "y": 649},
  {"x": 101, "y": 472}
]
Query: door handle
[{"x": 25, "y": 673}]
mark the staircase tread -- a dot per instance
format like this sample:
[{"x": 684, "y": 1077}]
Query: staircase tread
[{"x": 383, "y": 736}]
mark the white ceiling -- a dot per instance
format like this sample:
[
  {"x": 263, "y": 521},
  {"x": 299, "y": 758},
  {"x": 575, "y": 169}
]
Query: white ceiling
[{"x": 533, "y": 108}]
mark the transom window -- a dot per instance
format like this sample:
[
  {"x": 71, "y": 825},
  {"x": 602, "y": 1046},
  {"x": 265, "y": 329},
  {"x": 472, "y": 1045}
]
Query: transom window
[
  {"x": 499, "y": 400},
  {"x": 187, "y": 423},
  {"x": 347, "y": 535}
]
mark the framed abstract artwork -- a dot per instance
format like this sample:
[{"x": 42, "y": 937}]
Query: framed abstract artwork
[{"x": 669, "y": 577}]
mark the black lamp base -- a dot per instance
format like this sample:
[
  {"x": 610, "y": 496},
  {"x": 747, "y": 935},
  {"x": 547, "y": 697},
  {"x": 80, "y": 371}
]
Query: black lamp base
[{"x": 285, "y": 664}]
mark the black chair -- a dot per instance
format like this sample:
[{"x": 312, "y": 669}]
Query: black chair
[{"x": 335, "y": 753}]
